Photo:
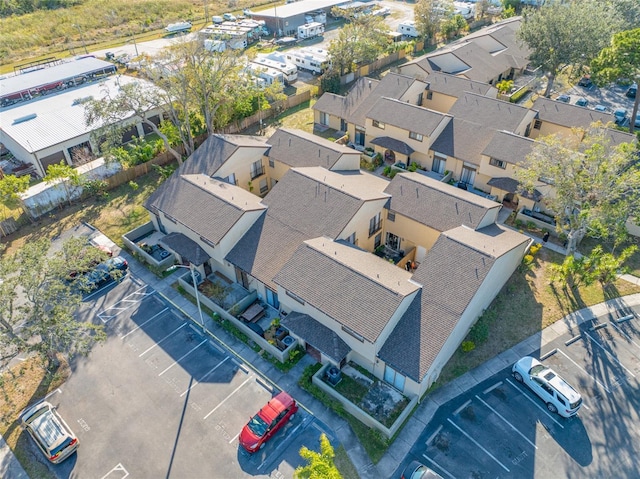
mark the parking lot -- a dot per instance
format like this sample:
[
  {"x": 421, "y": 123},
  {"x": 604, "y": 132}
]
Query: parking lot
[
  {"x": 611, "y": 97},
  {"x": 501, "y": 429},
  {"x": 160, "y": 399}
]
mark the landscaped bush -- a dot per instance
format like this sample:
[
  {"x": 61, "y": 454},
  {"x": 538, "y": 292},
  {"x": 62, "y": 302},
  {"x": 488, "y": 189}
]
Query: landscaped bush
[
  {"x": 468, "y": 346},
  {"x": 517, "y": 96}
]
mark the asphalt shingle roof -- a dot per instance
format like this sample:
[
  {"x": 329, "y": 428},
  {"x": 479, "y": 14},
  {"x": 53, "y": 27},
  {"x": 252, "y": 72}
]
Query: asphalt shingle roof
[
  {"x": 506, "y": 146},
  {"x": 513, "y": 186},
  {"x": 299, "y": 148},
  {"x": 450, "y": 274},
  {"x": 490, "y": 112},
  {"x": 206, "y": 206},
  {"x": 350, "y": 285},
  {"x": 435, "y": 204},
  {"x": 217, "y": 149},
  {"x": 318, "y": 335},
  {"x": 406, "y": 116},
  {"x": 188, "y": 249},
  {"x": 463, "y": 140},
  {"x": 455, "y": 86},
  {"x": 393, "y": 144}
]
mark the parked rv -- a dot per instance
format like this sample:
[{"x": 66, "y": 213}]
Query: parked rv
[
  {"x": 408, "y": 29},
  {"x": 289, "y": 70},
  {"x": 310, "y": 30},
  {"x": 269, "y": 75},
  {"x": 178, "y": 27},
  {"x": 215, "y": 45},
  {"x": 312, "y": 59}
]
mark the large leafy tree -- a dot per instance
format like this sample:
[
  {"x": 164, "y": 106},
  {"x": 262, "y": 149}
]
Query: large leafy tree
[
  {"x": 430, "y": 15},
  {"x": 37, "y": 303},
  {"x": 320, "y": 465},
  {"x": 10, "y": 188},
  {"x": 620, "y": 61},
  {"x": 66, "y": 175},
  {"x": 359, "y": 42},
  {"x": 591, "y": 186},
  {"x": 571, "y": 34}
]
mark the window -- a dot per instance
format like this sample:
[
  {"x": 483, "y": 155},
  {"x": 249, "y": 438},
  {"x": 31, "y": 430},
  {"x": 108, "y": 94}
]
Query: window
[
  {"x": 231, "y": 179},
  {"x": 377, "y": 241},
  {"x": 375, "y": 224},
  {"x": 393, "y": 241},
  {"x": 352, "y": 238},
  {"x": 360, "y": 135},
  {"x": 394, "y": 378},
  {"x": 324, "y": 118},
  {"x": 295, "y": 298},
  {"x": 468, "y": 175},
  {"x": 439, "y": 164},
  {"x": 257, "y": 169},
  {"x": 272, "y": 163},
  {"x": 537, "y": 124},
  {"x": 391, "y": 216},
  {"x": 498, "y": 163},
  {"x": 415, "y": 136},
  {"x": 429, "y": 95},
  {"x": 378, "y": 124},
  {"x": 263, "y": 186}
]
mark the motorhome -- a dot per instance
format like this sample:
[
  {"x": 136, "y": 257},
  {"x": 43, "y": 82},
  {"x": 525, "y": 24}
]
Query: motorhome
[
  {"x": 289, "y": 70},
  {"x": 312, "y": 59},
  {"x": 408, "y": 29},
  {"x": 310, "y": 30},
  {"x": 269, "y": 75}
]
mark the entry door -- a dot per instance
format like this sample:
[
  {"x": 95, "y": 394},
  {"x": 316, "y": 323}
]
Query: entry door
[
  {"x": 272, "y": 299},
  {"x": 242, "y": 278}
]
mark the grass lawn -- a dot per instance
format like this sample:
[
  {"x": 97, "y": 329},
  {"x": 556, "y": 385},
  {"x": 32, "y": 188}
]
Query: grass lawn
[
  {"x": 21, "y": 386},
  {"x": 526, "y": 305}
]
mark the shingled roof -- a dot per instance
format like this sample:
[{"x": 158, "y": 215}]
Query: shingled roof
[
  {"x": 450, "y": 276},
  {"x": 299, "y": 148},
  {"x": 566, "y": 114},
  {"x": 355, "y": 288},
  {"x": 407, "y": 116},
  {"x": 206, "y": 206},
  {"x": 306, "y": 203},
  {"x": 435, "y": 204},
  {"x": 318, "y": 335},
  {"x": 463, "y": 140},
  {"x": 455, "y": 86},
  {"x": 490, "y": 112},
  {"x": 506, "y": 146}
]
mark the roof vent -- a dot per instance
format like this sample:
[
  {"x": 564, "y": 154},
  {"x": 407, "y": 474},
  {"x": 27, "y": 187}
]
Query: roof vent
[{"x": 22, "y": 119}]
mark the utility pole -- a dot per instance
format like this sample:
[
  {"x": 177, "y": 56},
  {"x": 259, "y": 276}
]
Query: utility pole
[
  {"x": 82, "y": 39},
  {"x": 206, "y": 12}
]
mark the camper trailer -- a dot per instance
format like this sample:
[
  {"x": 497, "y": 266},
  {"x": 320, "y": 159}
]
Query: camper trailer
[
  {"x": 314, "y": 60},
  {"x": 217, "y": 46},
  {"x": 178, "y": 27},
  {"x": 310, "y": 30},
  {"x": 408, "y": 29},
  {"x": 289, "y": 70},
  {"x": 269, "y": 75}
]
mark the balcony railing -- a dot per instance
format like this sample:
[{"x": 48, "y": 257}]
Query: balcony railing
[
  {"x": 256, "y": 172},
  {"x": 373, "y": 229}
]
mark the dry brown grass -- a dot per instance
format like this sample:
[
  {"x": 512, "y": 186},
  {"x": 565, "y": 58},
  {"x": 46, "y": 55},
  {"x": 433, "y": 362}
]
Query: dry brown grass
[
  {"x": 21, "y": 386},
  {"x": 527, "y": 304}
]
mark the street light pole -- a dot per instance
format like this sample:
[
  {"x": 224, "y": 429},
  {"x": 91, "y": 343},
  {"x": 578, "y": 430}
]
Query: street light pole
[
  {"x": 195, "y": 287},
  {"x": 82, "y": 39}
]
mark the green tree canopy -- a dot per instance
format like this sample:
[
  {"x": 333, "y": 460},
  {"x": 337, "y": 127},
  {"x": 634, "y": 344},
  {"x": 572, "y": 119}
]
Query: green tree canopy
[
  {"x": 430, "y": 15},
  {"x": 359, "y": 42},
  {"x": 320, "y": 465},
  {"x": 10, "y": 188},
  {"x": 620, "y": 61},
  {"x": 37, "y": 304},
  {"x": 591, "y": 186},
  {"x": 569, "y": 34},
  {"x": 66, "y": 175}
]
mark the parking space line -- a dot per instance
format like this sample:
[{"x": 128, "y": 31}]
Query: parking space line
[
  {"x": 163, "y": 339},
  {"x": 182, "y": 357},
  {"x": 118, "y": 468},
  {"x": 202, "y": 378},
  {"x": 629, "y": 338},
  {"x": 491, "y": 388},
  {"x": 625, "y": 318},
  {"x": 225, "y": 399},
  {"x": 141, "y": 325},
  {"x": 506, "y": 422},
  {"x": 128, "y": 302},
  {"x": 281, "y": 444},
  {"x": 584, "y": 371},
  {"x": 535, "y": 404},
  {"x": 478, "y": 444},
  {"x": 439, "y": 466},
  {"x": 609, "y": 354},
  {"x": 457, "y": 411}
]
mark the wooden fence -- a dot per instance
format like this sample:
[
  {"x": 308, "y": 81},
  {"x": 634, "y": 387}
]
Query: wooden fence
[
  {"x": 130, "y": 174},
  {"x": 379, "y": 64}
]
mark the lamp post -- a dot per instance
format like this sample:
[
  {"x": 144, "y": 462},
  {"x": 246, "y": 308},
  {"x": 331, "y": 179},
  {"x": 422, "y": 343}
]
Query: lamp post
[
  {"x": 195, "y": 287},
  {"x": 82, "y": 39}
]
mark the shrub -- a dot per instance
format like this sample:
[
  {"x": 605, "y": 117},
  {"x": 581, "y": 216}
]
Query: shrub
[
  {"x": 517, "y": 96},
  {"x": 468, "y": 346},
  {"x": 386, "y": 171},
  {"x": 479, "y": 333},
  {"x": 528, "y": 259},
  {"x": 413, "y": 166},
  {"x": 531, "y": 225}
]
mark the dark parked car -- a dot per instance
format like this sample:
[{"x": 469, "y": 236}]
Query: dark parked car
[
  {"x": 564, "y": 98},
  {"x": 631, "y": 92},
  {"x": 585, "y": 81},
  {"x": 582, "y": 101},
  {"x": 620, "y": 115},
  {"x": 267, "y": 422},
  {"x": 111, "y": 270},
  {"x": 415, "y": 470}
]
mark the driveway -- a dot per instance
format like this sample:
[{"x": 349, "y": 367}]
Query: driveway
[
  {"x": 161, "y": 399},
  {"x": 499, "y": 428}
]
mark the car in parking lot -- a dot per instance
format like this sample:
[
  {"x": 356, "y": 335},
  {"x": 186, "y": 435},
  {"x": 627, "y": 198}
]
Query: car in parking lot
[
  {"x": 267, "y": 422},
  {"x": 558, "y": 395},
  {"x": 415, "y": 470},
  {"x": 632, "y": 91},
  {"x": 229, "y": 17},
  {"x": 49, "y": 431},
  {"x": 620, "y": 115},
  {"x": 582, "y": 101},
  {"x": 601, "y": 108},
  {"x": 636, "y": 123},
  {"x": 564, "y": 98},
  {"x": 110, "y": 270},
  {"x": 585, "y": 81}
]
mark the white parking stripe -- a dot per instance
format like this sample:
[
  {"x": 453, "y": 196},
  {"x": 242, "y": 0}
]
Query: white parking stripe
[
  {"x": 478, "y": 444},
  {"x": 609, "y": 354},
  {"x": 629, "y": 338},
  {"x": 182, "y": 357},
  {"x": 281, "y": 444},
  {"x": 491, "y": 388},
  {"x": 581, "y": 369},
  {"x": 507, "y": 422},
  {"x": 225, "y": 399},
  {"x": 544, "y": 410},
  {"x": 202, "y": 378},
  {"x": 141, "y": 325},
  {"x": 128, "y": 302},
  {"x": 163, "y": 339},
  {"x": 439, "y": 466}
]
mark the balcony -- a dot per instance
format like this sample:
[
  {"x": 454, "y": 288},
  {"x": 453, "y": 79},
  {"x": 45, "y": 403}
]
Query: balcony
[
  {"x": 257, "y": 172},
  {"x": 373, "y": 229}
]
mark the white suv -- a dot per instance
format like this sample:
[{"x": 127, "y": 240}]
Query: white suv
[{"x": 559, "y": 396}]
